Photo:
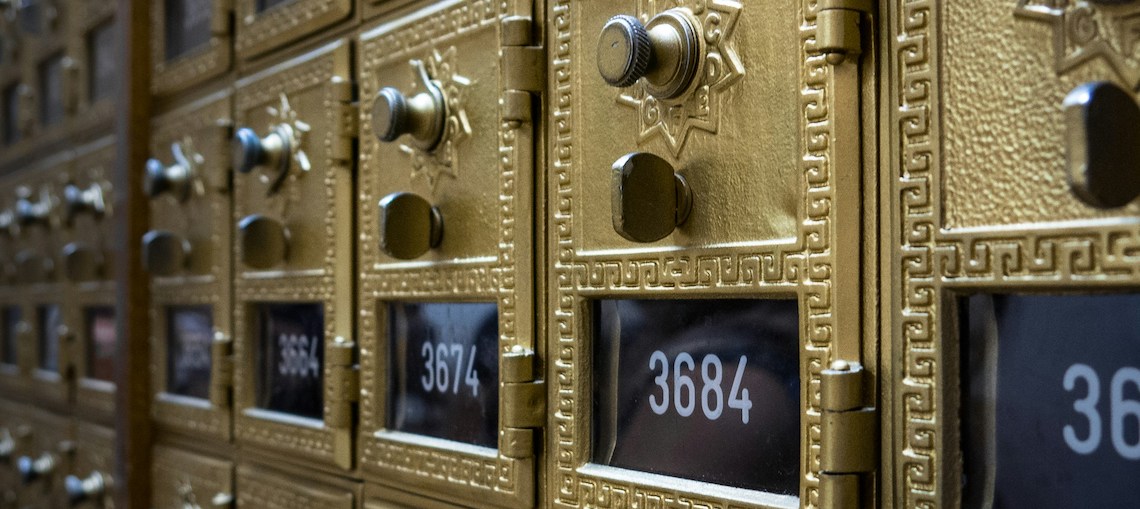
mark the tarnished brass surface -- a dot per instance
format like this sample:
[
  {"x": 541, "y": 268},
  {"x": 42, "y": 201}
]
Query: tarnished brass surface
[
  {"x": 257, "y": 31},
  {"x": 184, "y": 480},
  {"x": 214, "y": 57},
  {"x": 260, "y": 487}
]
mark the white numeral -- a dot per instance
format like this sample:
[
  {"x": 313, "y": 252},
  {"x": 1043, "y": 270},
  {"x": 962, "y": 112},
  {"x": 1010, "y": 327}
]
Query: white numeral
[
  {"x": 1120, "y": 410},
  {"x": 683, "y": 392},
  {"x": 1086, "y": 407},
  {"x": 298, "y": 356},
  {"x": 437, "y": 374}
]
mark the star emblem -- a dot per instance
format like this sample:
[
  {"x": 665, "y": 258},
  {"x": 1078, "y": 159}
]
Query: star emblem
[
  {"x": 285, "y": 115},
  {"x": 444, "y": 158},
  {"x": 1084, "y": 30},
  {"x": 675, "y": 119},
  {"x": 188, "y": 157}
]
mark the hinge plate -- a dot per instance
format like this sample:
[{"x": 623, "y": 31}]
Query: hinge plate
[
  {"x": 849, "y": 434},
  {"x": 222, "y": 378},
  {"x": 838, "y": 28},
  {"x": 524, "y": 404},
  {"x": 343, "y": 384}
]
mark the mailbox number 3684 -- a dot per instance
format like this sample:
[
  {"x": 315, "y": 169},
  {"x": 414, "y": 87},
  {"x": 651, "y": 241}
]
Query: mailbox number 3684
[{"x": 1120, "y": 410}]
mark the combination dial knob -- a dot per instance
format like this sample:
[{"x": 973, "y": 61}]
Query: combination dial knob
[{"x": 666, "y": 52}]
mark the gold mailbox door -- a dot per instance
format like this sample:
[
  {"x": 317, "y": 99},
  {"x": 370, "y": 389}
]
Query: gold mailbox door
[
  {"x": 49, "y": 68},
  {"x": 92, "y": 46},
  {"x": 261, "y": 487},
  {"x": 262, "y": 25},
  {"x": 191, "y": 42},
  {"x": 447, "y": 253},
  {"x": 46, "y": 461},
  {"x": 85, "y": 261},
  {"x": 705, "y": 226},
  {"x": 1012, "y": 248},
  {"x": 184, "y": 479},
  {"x": 89, "y": 482},
  {"x": 293, "y": 282},
  {"x": 188, "y": 253}
]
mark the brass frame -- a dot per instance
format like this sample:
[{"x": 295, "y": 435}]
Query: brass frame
[
  {"x": 327, "y": 71},
  {"x": 465, "y": 474},
  {"x": 169, "y": 77},
  {"x": 257, "y": 33},
  {"x": 207, "y": 122}
]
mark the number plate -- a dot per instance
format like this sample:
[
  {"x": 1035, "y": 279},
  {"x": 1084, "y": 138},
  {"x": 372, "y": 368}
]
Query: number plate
[
  {"x": 102, "y": 340},
  {"x": 445, "y": 371},
  {"x": 700, "y": 389},
  {"x": 189, "y": 336},
  {"x": 1051, "y": 400},
  {"x": 291, "y": 375},
  {"x": 102, "y": 62},
  {"x": 9, "y": 354},
  {"x": 51, "y": 91},
  {"x": 187, "y": 26},
  {"x": 49, "y": 320}
]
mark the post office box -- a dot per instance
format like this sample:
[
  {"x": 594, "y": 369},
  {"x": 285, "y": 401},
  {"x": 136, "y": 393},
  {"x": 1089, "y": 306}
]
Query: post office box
[
  {"x": 293, "y": 277},
  {"x": 190, "y": 43},
  {"x": 15, "y": 441},
  {"x": 185, "y": 479},
  {"x": 188, "y": 255},
  {"x": 447, "y": 192},
  {"x": 90, "y": 482},
  {"x": 706, "y": 194},
  {"x": 262, "y": 25},
  {"x": 261, "y": 487},
  {"x": 47, "y": 461},
  {"x": 15, "y": 331},
  {"x": 1013, "y": 226},
  {"x": 49, "y": 68},
  {"x": 85, "y": 258},
  {"x": 93, "y": 49}
]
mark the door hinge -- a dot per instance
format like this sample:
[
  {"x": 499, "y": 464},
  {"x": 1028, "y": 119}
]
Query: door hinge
[
  {"x": 838, "y": 25},
  {"x": 524, "y": 68},
  {"x": 343, "y": 388},
  {"x": 524, "y": 403},
  {"x": 222, "y": 378},
  {"x": 346, "y": 125},
  {"x": 849, "y": 435}
]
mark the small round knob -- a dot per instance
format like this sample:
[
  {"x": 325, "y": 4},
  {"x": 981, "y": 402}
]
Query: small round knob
[
  {"x": 423, "y": 116},
  {"x": 30, "y": 212},
  {"x": 409, "y": 226},
  {"x": 85, "y": 489},
  {"x": 649, "y": 200},
  {"x": 82, "y": 262},
  {"x": 252, "y": 151},
  {"x": 79, "y": 200},
  {"x": 666, "y": 52},
  {"x": 164, "y": 253},
  {"x": 1103, "y": 138},
  {"x": 32, "y": 469},
  {"x": 160, "y": 178},
  {"x": 264, "y": 242},
  {"x": 33, "y": 268}
]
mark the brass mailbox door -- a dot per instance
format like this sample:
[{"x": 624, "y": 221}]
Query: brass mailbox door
[
  {"x": 15, "y": 331},
  {"x": 190, "y": 43},
  {"x": 706, "y": 223},
  {"x": 15, "y": 441},
  {"x": 293, "y": 281},
  {"x": 447, "y": 253},
  {"x": 85, "y": 262},
  {"x": 47, "y": 460},
  {"x": 184, "y": 479},
  {"x": 262, "y": 25},
  {"x": 49, "y": 68},
  {"x": 94, "y": 36},
  {"x": 1015, "y": 374},
  {"x": 188, "y": 254},
  {"x": 89, "y": 483},
  {"x": 261, "y": 487}
]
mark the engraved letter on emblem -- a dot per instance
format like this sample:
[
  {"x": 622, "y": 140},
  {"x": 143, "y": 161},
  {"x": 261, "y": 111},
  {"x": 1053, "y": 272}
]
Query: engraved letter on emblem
[{"x": 1103, "y": 144}]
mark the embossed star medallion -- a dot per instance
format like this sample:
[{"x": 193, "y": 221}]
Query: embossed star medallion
[
  {"x": 1084, "y": 30},
  {"x": 444, "y": 158},
  {"x": 285, "y": 115},
  {"x": 675, "y": 119}
]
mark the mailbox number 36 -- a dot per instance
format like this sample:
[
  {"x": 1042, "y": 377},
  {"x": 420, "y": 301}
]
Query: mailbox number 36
[{"x": 1120, "y": 410}]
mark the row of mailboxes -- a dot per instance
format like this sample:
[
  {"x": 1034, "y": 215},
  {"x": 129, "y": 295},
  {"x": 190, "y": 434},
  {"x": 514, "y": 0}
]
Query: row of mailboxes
[{"x": 51, "y": 461}]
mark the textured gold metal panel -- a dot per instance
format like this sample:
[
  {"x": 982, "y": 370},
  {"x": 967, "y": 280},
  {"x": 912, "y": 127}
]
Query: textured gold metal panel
[
  {"x": 214, "y": 57},
  {"x": 183, "y": 478},
  {"x": 280, "y": 23},
  {"x": 262, "y": 488}
]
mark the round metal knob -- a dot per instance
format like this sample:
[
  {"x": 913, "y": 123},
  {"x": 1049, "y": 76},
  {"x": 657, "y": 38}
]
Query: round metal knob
[
  {"x": 649, "y": 199},
  {"x": 1103, "y": 138},
  {"x": 666, "y": 52},
  {"x": 409, "y": 226},
  {"x": 82, "y": 490},
  {"x": 82, "y": 262},
  {"x": 165, "y": 253},
  {"x": 30, "y": 212},
  {"x": 271, "y": 152},
  {"x": 264, "y": 242},
  {"x": 423, "y": 116},
  {"x": 173, "y": 179},
  {"x": 31, "y": 469},
  {"x": 79, "y": 200}
]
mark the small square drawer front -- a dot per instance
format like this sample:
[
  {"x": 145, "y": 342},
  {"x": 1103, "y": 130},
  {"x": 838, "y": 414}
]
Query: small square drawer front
[
  {"x": 89, "y": 484},
  {"x": 265, "y": 488},
  {"x": 705, "y": 245},
  {"x": 188, "y": 254},
  {"x": 262, "y": 25},
  {"x": 447, "y": 196},
  {"x": 1012, "y": 237},
  {"x": 46, "y": 462},
  {"x": 191, "y": 42},
  {"x": 293, "y": 279},
  {"x": 186, "y": 479}
]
